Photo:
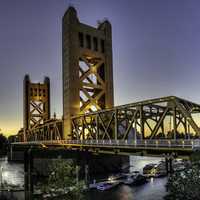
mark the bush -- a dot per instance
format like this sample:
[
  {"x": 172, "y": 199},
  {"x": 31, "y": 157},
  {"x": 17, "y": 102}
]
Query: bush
[
  {"x": 63, "y": 178},
  {"x": 184, "y": 185}
]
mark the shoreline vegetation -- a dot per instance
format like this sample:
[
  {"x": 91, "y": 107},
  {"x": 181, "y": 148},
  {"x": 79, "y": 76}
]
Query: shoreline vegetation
[
  {"x": 185, "y": 184},
  {"x": 3, "y": 145},
  {"x": 62, "y": 183}
]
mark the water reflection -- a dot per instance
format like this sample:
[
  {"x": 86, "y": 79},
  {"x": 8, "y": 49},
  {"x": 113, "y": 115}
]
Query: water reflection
[
  {"x": 153, "y": 190},
  {"x": 13, "y": 174},
  {"x": 125, "y": 193},
  {"x": 11, "y": 195}
]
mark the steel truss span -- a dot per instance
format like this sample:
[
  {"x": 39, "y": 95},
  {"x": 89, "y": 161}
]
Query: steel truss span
[
  {"x": 166, "y": 118},
  {"x": 50, "y": 130},
  {"x": 162, "y": 118}
]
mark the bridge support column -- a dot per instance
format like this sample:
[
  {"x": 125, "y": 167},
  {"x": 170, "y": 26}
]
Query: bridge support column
[
  {"x": 11, "y": 152},
  {"x": 28, "y": 169},
  {"x": 82, "y": 170},
  {"x": 82, "y": 167},
  {"x": 86, "y": 174},
  {"x": 168, "y": 163},
  {"x": 77, "y": 174}
]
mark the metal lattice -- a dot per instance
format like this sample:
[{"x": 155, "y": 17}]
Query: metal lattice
[
  {"x": 92, "y": 84},
  {"x": 143, "y": 120}
]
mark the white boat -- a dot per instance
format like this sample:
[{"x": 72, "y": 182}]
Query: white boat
[
  {"x": 107, "y": 185},
  {"x": 111, "y": 182},
  {"x": 116, "y": 177}
]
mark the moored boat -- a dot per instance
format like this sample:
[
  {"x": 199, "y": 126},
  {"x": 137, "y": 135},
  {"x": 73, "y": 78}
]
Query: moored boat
[
  {"x": 149, "y": 169},
  {"x": 155, "y": 170},
  {"x": 160, "y": 170},
  {"x": 107, "y": 185},
  {"x": 135, "y": 179}
]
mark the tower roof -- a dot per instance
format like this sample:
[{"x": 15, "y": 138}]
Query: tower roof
[{"x": 71, "y": 11}]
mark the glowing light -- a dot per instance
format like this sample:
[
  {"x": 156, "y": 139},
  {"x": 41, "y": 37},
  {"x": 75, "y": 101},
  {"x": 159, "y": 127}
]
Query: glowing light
[
  {"x": 156, "y": 142},
  {"x": 86, "y": 131},
  {"x": 44, "y": 146},
  {"x": 111, "y": 178},
  {"x": 11, "y": 177},
  {"x": 151, "y": 180},
  {"x": 81, "y": 104},
  {"x": 93, "y": 68},
  {"x": 93, "y": 108}
]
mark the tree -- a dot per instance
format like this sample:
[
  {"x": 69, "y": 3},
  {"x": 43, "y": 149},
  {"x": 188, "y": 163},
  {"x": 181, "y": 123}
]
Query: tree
[
  {"x": 63, "y": 177},
  {"x": 185, "y": 184},
  {"x": 3, "y": 144}
]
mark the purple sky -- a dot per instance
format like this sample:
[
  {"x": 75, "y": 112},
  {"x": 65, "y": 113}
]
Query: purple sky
[{"x": 156, "y": 47}]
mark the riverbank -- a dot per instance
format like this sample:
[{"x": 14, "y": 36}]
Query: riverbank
[{"x": 153, "y": 190}]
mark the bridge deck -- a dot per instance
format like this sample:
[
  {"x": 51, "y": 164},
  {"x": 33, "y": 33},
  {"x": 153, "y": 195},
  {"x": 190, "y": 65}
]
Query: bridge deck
[{"x": 119, "y": 146}]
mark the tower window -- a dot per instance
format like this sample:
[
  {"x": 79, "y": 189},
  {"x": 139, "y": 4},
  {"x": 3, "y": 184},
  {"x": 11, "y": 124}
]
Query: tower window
[
  {"x": 95, "y": 42},
  {"x": 44, "y": 93},
  {"x": 81, "y": 39},
  {"x": 35, "y": 91},
  {"x": 102, "y": 46},
  {"x": 88, "y": 41}
]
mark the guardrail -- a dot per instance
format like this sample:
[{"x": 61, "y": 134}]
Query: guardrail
[{"x": 194, "y": 143}]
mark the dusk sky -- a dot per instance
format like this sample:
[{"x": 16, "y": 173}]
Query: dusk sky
[{"x": 156, "y": 49}]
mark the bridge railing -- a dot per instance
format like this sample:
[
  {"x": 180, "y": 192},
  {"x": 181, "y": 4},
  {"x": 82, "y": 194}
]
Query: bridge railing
[
  {"x": 194, "y": 143},
  {"x": 138, "y": 143}
]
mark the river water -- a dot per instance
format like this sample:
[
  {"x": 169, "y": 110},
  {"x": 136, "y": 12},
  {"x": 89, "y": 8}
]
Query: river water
[{"x": 12, "y": 174}]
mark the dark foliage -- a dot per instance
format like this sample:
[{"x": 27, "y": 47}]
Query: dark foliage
[
  {"x": 3, "y": 144},
  {"x": 185, "y": 184}
]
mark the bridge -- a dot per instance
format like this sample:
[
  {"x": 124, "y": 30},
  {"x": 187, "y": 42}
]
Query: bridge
[
  {"x": 121, "y": 147},
  {"x": 90, "y": 120},
  {"x": 155, "y": 126},
  {"x": 91, "y": 125}
]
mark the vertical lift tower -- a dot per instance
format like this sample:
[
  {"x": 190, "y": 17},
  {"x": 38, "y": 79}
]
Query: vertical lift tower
[
  {"x": 36, "y": 104},
  {"x": 87, "y": 67}
]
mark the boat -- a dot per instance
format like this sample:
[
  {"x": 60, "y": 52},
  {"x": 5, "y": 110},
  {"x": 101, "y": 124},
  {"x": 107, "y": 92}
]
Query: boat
[
  {"x": 135, "y": 179},
  {"x": 160, "y": 169},
  {"x": 116, "y": 177},
  {"x": 149, "y": 169},
  {"x": 112, "y": 181},
  {"x": 107, "y": 185},
  {"x": 155, "y": 170}
]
